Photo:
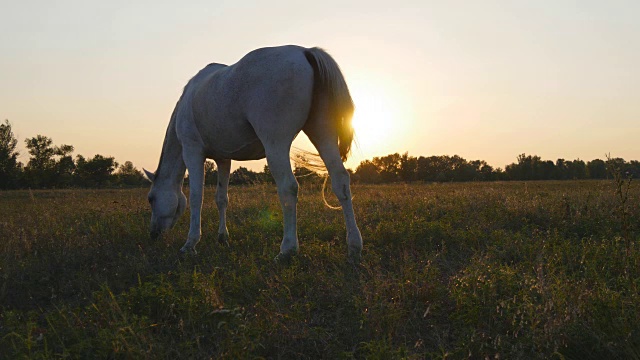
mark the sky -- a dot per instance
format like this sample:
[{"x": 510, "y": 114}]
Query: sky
[{"x": 484, "y": 80}]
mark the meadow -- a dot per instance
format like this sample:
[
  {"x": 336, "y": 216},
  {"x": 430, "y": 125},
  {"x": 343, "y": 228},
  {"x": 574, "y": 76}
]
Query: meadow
[{"x": 496, "y": 270}]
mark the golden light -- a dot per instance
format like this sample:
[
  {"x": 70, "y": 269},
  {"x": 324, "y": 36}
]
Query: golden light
[
  {"x": 373, "y": 118},
  {"x": 378, "y": 120}
]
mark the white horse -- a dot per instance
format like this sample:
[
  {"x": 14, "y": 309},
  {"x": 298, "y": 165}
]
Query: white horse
[{"x": 247, "y": 111}]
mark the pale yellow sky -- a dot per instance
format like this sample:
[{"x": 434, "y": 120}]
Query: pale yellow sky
[{"x": 485, "y": 80}]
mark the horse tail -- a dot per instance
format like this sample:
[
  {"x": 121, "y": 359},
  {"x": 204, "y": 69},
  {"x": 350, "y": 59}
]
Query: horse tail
[{"x": 330, "y": 81}]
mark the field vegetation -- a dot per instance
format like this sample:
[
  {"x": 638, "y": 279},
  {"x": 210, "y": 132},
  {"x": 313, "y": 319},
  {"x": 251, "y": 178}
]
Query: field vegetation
[{"x": 449, "y": 270}]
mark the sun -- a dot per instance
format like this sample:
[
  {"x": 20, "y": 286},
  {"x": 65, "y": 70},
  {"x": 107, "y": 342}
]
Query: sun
[
  {"x": 382, "y": 119},
  {"x": 376, "y": 119},
  {"x": 373, "y": 118}
]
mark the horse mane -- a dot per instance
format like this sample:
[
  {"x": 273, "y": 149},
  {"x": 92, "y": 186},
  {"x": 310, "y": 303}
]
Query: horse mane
[{"x": 169, "y": 135}]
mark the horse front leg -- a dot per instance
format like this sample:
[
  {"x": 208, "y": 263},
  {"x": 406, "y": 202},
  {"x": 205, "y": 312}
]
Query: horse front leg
[
  {"x": 222, "y": 199},
  {"x": 195, "y": 165}
]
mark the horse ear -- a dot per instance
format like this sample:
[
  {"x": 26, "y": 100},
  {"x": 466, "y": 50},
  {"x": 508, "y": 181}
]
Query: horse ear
[{"x": 150, "y": 176}]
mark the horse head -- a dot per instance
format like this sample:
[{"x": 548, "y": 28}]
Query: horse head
[{"x": 167, "y": 202}]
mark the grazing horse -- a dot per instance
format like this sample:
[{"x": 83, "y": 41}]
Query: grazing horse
[{"x": 248, "y": 111}]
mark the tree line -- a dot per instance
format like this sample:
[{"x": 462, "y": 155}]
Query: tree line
[
  {"x": 51, "y": 166},
  {"x": 396, "y": 167}
]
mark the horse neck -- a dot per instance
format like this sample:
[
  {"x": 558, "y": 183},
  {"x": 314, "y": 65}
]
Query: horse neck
[{"x": 171, "y": 168}]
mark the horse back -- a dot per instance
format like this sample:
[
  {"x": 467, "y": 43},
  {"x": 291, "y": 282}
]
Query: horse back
[{"x": 265, "y": 94}]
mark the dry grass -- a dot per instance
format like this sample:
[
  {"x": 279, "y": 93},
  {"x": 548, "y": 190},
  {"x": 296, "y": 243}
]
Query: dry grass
[{"x": 515, "y": 270}]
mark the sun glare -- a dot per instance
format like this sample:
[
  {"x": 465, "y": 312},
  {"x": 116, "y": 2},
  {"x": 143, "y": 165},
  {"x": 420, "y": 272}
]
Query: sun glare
[
  {"x": 372, "y": 118},
  {"x": 377, "y": 120}
]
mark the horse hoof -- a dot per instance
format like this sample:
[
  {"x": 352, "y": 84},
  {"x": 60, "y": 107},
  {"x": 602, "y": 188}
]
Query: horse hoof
[
  {"x": 223, "y": 239},
  {"x": 355, "y": 255},
  {"x": 185, "y": 250},
  {"x": 285, "y": 258}
]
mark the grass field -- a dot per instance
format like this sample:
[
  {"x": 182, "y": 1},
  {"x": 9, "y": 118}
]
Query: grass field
[{"x": 466, "y": 270}]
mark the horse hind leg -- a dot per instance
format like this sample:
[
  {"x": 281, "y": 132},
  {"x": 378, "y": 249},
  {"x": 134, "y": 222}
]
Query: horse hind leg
[
  {"x": 222, "y": 199},
  {"x": 340, "y": 183},
  {"x": 280, "y": 167}
]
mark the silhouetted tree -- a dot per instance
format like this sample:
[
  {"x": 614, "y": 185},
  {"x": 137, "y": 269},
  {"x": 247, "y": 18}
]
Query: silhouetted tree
[
  {"x": 40, "y": 170},
  {"x": 484, "y": 171},
  {"x": 452, "y": 168},
  {"x": 96, "y": 172},
  {"x": 243, "y": 176},
  {"x": 388, "y": 167},
  {"x": 562, "y": 172},
  {"x": 267, "y": 177},
  {"x": 597, "y": 169},
  {"x": 304, "y": 175},
  {"x": 547, "y": 170},
  {"x": 427, "y": 168},
  {"x": 408, "y": 167},
  {"x": 128, "y": 175},
  {"x": 576, "y": 169},
  {"x": 9, "y": 165},
  {"x": 528, "y": 168},
  {"x": 210, "y": 173},
  {"x": 43, "y": 169},
  {"x": 460, "y": 169},
  {"x": 633, "y": 167},
  {"x": 367, "y": 172},
  {"x": 65, "y": 166}
]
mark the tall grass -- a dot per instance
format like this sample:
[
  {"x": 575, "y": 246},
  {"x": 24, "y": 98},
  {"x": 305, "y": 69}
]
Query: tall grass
[{"x": 467, "y": 270}]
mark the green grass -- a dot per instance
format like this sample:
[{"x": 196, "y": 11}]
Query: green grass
[{"x": 466, "y": 270}]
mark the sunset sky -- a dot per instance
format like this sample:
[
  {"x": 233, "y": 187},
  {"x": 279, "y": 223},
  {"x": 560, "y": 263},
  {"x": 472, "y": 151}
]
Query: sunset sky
[{"x": 482, "y": 79}]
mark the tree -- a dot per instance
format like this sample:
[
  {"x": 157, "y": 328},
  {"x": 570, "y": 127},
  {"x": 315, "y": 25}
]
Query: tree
[
  {"x": 243, "y": 176},
  {"x": 617, "y": 165},
  {"x": 304, "y": 174},
  {"x": 41, "y": 152},
  {"x": 427, "y": 168},
  {"x": 210, "y": 173},
  {"x": 9, "y": 165},
  {"x": 43, "y": 169},
  {"x": 64, "y": 166},
  {"x": 633, "y": 167},
  {"x": 408, "y": 167},
  {"x": 388, "y": 167},
  {"x": 549, "y": 170},
  {"x": 267, "y": 177},
  {"x": 367, "y": 172},
  {"x": 461, "y": 170},
  {"x": 130, "y": 176},
  {"x": 40, "y": 170},
  {"x": 577, "y": 169},
  {"x": 94, "y": 172},
  {"x": 528, "y": 168},
  {"x": 562, "y": 169},
  {"x": 485, "y": 171},
  {"x": 435, "y": 168}
]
